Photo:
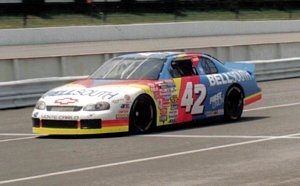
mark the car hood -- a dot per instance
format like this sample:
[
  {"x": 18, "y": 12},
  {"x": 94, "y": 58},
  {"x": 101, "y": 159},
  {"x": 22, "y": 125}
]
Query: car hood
[{"x": 84, "y": 92}]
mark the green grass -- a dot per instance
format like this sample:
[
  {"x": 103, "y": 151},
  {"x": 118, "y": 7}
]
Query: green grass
[{"x": 123, "y": 18}]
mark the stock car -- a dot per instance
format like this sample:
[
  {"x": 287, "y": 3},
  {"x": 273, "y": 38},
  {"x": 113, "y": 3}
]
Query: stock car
[{"x": 140, "y": 91}]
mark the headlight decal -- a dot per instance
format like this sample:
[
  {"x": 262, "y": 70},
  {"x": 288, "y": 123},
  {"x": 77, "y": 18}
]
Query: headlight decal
[
  {"x": 40, "y": 105},
  {"x": 97, "y": 107}
]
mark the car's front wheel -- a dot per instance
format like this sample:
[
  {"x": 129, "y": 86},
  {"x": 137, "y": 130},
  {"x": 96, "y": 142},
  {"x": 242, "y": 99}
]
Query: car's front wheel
[
  {"x": 142, "y": 115},
  {"x": 233, "y": 104}
]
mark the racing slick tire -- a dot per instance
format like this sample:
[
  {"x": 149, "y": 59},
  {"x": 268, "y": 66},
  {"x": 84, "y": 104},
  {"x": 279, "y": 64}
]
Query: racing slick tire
[
  {"x": 233, "y": 104},
  {"x": 142, "y": 116}
]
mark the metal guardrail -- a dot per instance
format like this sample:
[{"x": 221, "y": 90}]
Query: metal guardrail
[
  {"x": 26, "y": 92},
  {"x": 266, "y": 70}
]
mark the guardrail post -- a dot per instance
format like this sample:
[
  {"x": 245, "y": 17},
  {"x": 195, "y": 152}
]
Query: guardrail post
[
  {"x": 62, "y": 66},
  {"x": 279, "y": 51},
  {"x": 16, "y": 69}
]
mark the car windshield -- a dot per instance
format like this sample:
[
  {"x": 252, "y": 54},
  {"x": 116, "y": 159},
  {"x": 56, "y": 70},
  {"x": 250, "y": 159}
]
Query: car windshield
[{"x": 130, "y": 68}]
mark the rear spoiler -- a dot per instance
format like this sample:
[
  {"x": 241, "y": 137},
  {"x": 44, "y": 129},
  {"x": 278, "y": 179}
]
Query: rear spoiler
[{"x": 241, "y": 66}]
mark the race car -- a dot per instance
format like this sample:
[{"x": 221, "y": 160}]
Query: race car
[{"x": 137, "y": 92}]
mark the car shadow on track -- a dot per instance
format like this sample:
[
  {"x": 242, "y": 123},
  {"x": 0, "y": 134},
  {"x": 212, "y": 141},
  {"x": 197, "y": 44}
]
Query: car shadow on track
[{"x": 212, "y": 122}]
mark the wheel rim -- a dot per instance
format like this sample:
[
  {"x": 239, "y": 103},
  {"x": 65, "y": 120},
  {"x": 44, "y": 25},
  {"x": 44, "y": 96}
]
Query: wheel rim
[{"x": 142, "y": 114}]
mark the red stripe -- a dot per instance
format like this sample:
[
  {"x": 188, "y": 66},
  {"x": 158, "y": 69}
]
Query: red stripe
[
  {"x": 253, "y": 99},
  {"x": 114, "y": 123},
  {"x": 41, "y": 124},
  {"x": 78, "y": 124},
  {"x": 184, "y": 116}
]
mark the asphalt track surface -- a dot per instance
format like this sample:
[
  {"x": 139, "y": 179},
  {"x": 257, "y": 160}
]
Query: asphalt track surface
[{"x": 261, "y": 149}]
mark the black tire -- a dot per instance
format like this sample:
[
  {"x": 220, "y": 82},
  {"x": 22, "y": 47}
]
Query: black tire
[
  {"x": 142, "y": 115},
  {"x": 233, "y": 104}
]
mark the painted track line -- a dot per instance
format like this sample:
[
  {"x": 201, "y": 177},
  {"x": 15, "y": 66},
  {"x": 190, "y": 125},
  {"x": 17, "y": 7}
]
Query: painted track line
[
  {"x": 143, "y": 159},
  {"x": 19, "y": 134},
  {"x": 271, "y": 107},
  {"x": 216, "y": 136},
  {"x": 17, "y": 139}
]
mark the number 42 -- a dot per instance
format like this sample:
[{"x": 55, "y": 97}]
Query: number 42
[{"x": 187, "y": 100}]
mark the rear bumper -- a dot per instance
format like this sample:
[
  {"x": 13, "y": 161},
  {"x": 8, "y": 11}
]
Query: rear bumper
[{"x": 252, "y": 98}]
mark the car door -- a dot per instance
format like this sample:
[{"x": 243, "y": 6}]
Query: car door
[
  {"x": 191, "y": 92},
  {"x": 214, "y": 102}
]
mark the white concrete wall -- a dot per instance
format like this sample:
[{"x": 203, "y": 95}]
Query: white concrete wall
[
  {"x": 142, "y": 31},
  {"x": 41, "y": 64}
]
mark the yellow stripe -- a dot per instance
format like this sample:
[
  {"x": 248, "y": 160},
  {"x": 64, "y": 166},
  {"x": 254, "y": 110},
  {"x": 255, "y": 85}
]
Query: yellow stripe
[
  {"x": 177, "y": 82},
  {"x": 253, "y": 95},
  {"x": 57, "y": 131}
]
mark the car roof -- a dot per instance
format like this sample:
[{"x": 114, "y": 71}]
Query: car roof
[{"x": 160, "y": 55}]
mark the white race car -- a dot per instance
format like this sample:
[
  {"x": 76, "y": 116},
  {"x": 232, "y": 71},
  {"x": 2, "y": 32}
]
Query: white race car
[{"x": 137, "y": 92}]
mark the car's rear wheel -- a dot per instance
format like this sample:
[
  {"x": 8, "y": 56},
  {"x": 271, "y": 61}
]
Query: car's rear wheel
[
  {"x": 233, "y": 104},
  {"x": 142, "y": 115}
]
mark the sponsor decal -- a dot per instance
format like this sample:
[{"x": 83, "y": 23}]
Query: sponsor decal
[
  {"x": 173, "y": 92},
  {"x": 167, "y": 98},
  {"x": 228, "y": 78},
  {"x": 166, "y": 84},
  {"x": 163, "y": 86},
  {"x": 64, "y": 117},
  {"x": 127, "y": 97},
  {"x": 154, "y": 89},
  {"x": 216, "y": 100},
  {"x": 36, "y": 114},
  {"x": 66, "y": 101},
  {"x": 174, "y": 107},
  {"x": 166, "y": 104},
  {"x": 215, "y": 112},
  {"x": 172, "y": 120},
  {"x": 125, "y": 106},
  {"x": 174, "y": 99},
  {"x": 117, "y": 100},
  {"x": 83, "y": 92},
  {"x": 123, "y": 111},
  {"x": 158, "y": 82},
  {"x": 163, "y": 118},
  {"x": 122, "y": 116},
  {"x": 163, "y": 112},
  {"x": 173, "y": 117},
  {"x": 173, "y": 112},
  {"x": 160, "y": 103},
  {"x": 165, "y": 92}
]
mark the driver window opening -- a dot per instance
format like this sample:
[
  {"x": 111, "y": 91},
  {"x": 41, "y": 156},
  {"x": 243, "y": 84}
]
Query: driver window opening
[{"x": 182, "y": 68}]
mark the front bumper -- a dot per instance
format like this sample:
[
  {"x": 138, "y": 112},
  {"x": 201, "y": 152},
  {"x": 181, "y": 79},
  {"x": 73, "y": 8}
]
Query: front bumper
[
  {"x": 58, "y": 123},
  {"x": 112, "y": 126}
]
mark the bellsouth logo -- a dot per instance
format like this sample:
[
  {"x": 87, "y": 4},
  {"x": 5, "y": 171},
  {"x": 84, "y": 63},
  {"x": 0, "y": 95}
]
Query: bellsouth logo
[{"x": 66, "y": 101}]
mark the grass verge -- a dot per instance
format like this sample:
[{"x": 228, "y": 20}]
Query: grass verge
[{"x": 33, "y": 21}]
